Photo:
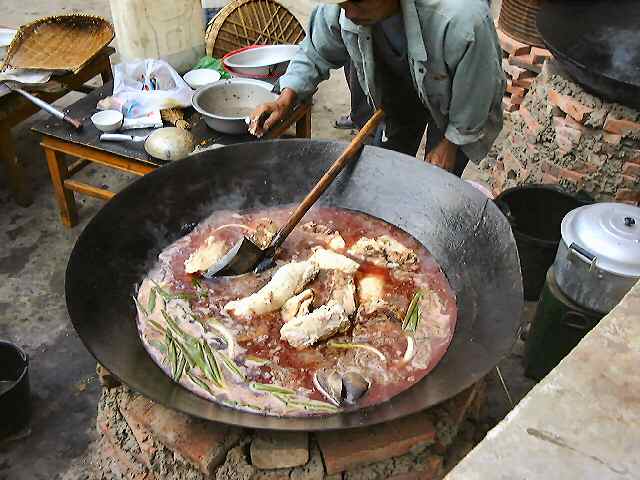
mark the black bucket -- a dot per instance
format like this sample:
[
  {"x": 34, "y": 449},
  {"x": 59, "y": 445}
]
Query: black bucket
[
  {"x": 535, "y": 213},
  {"x": 15, "y": 393}
]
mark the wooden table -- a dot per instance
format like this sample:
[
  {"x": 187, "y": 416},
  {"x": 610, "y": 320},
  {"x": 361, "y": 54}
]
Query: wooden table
[
  {"x": 85, "y": 148},
  {"x": 14, "y": 108}
]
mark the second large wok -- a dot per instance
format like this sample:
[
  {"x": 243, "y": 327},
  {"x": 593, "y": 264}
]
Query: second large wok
[{"x": 466, "y": 233}]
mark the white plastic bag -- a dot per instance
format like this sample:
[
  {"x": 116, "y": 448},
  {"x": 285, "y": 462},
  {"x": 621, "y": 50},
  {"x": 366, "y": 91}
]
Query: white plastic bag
[{"x": 148, "y": 86}]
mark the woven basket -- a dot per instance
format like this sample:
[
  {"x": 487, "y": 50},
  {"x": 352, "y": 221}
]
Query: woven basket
[
  {"x": 518, "y": 20},
  {"x": 61, "y": 43},
  {"x": 251, "y": 22}
]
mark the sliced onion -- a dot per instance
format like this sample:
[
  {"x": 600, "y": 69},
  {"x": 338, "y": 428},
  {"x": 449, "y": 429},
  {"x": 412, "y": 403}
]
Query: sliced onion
[
  {"x": 235, "y": 225},
  {"x": 410, "y": 351}
]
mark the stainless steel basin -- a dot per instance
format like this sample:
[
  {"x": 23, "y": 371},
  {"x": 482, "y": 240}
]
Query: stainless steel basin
[{"x": 225, "y": 104}]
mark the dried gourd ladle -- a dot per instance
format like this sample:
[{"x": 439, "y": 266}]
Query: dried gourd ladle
[{"x": 246, "y": 256}]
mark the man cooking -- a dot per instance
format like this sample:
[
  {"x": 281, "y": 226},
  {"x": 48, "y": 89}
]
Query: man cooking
[{"x": 435, "y": 62}]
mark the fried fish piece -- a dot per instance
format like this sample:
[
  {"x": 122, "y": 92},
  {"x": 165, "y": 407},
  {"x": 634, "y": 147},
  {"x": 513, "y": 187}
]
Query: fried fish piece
[
  {"x": 384, "y": 251},
  {"x": 322, "y": 323},
  {"x": 289, "y": 280}
]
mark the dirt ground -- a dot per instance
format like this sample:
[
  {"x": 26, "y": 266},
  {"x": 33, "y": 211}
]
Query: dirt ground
[{"x": 34, "y": 248}]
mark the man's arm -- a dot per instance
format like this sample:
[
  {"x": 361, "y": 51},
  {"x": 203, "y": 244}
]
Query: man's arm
[
  {"x": 321, "y": 51},
  {"x": 478, "y": 79}
]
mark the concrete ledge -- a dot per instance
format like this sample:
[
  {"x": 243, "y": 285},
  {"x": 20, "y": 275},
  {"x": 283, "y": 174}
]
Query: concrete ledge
[{"x": 580, "y": 422}]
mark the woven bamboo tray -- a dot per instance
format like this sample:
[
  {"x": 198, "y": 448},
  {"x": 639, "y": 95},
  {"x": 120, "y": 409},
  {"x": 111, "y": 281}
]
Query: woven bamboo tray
[
  {"x": 251, "y": 22},
  {"x": 518, "y": 20},
  {"x": 61, "y": 43}
]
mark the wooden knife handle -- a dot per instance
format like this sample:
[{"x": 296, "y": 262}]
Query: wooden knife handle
[{"x": 77, "y": 124}]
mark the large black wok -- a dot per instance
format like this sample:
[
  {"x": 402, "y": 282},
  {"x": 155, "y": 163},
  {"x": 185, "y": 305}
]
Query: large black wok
[
  {"x": 598, "y": 43},
  {"x": 465, "y": 232}
]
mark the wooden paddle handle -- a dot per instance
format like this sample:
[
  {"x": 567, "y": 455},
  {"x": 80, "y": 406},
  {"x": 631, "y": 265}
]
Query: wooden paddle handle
[{"x": 351, "y": 151}]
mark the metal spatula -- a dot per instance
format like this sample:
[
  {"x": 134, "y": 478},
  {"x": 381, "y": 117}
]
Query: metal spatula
[{"x": 246, "y": 256}]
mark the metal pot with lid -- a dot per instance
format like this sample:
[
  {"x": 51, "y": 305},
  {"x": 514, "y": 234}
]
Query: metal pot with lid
[{"x": 598, "y": 260}]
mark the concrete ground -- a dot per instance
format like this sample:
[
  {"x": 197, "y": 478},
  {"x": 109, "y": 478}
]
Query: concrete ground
[{"x": 34, "y": 248}]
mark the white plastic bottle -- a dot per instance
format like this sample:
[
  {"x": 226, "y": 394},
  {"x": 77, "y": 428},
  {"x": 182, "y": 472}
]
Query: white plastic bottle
[{"x": 171, "y": 30}]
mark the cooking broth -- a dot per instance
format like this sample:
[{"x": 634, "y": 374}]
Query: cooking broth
[{"x": 248, "y": 362}]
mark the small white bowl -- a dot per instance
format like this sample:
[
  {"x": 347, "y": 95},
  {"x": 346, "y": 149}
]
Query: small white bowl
[
  {"x": 201, "y": 77},
  {"x": 108, "y": 121}
]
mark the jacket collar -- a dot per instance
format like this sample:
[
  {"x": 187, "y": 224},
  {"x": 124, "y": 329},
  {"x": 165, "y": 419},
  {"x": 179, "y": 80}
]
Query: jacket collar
[
  {"x": 413, "y": 29},
  {"x": 349, "y": 26}
]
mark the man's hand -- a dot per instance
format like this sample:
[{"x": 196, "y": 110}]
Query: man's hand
[
  {"x": 444, "y": 155},
  {"x": 268, "y": 114}
]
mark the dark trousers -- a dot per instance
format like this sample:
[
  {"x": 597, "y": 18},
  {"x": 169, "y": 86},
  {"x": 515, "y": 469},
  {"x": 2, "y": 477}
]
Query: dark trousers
[
  {"x": 405, "y": 138},
  {"x": 401, "y": 136},
  {"x": 361, "y": 111}
]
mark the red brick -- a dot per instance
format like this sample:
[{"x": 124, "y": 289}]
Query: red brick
[
  {"x": 565, "y": 143},
  {"x": 549, "y": 167},
  {"x": 566, "y": 137},
  {"x": 612, "y": 138},
  {"x": 512, "y": 163},
  {"x": 627, "y": 181},
  {"x": 631, "y": 169},
  {"x": 142, "y": 436},
  {"x": 621, "y": 126},
  {"x": 628, "y": 195},
  {"x": 539, "y": 55},
  {"x": 516, "y": 73},
  {"x": 513, "y": 90},
  {"x": 524, "y": 82},
  {"x": 342, "y": 450},
  {"x": 512, "y": 46},
  {"x": 572, "y": 176},
  {"x": 549, "y": 179},
  {"x": 204, "y": 444},
  {"x": 532, "y": 124},
  {"x": 524, "y": 61},
  {"x": 507, "y": 106},
  {"x": 632, "y": 155},
  {"x": 568, "y": 127},
  {"x": 570, "y": 122},
  {"x": 532, "y": 149},
  {"x": 569, "y": 105},
  {"x": 517, "y": 100},
  {"x": 571, "y": 133},
  {"x": 584, "y": 167}
]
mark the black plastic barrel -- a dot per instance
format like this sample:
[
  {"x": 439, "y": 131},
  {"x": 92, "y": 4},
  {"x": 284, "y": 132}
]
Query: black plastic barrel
[
  {"x": 15, "y": 393},
  {"x": 535, "y": 213}
]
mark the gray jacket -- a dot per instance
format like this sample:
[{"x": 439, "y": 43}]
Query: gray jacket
[{"x": 453, "y": 52}]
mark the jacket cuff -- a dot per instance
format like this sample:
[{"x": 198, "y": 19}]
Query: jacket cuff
[
  {"x": 457, "y": 137},
  {"x": 303, "y": 89}
]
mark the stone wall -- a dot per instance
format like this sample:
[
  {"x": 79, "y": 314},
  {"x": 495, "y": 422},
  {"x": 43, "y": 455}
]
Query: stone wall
[{"x": 564, "y": 135}]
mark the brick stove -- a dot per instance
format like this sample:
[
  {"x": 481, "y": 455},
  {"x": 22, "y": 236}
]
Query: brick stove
[
  {"x": 141, "y": 440},
  {"x": 564, "y": 135}
]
